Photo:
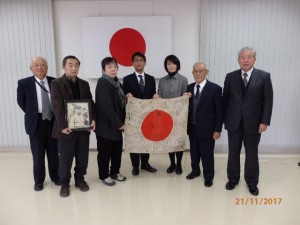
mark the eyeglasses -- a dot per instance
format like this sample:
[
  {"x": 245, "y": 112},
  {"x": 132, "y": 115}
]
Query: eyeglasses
[
  {"x": 138, "y": 60},
  {"x": 199, "y": 71},
  {"x": 39, "y": 65},
  {"x": 246, "y": 57}
]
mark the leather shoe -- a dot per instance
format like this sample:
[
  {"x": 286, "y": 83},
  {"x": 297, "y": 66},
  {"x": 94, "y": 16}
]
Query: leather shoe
[
  {"x": 135, "y": 171},
  {"x": 253, "y": 190},
  {"x": 171, "y": 168},
  {"x": 148, "y": 168},
  {"x": 178, "y": 169},
  {"x": 191, "y": 176},
  {"x": 83, "y": 186},
  {"x": 64, "y": 190},
  {"x": 230, "y": 185},
  {"x": 38, "y": 187},
  {"x": 208, "y": 183}
]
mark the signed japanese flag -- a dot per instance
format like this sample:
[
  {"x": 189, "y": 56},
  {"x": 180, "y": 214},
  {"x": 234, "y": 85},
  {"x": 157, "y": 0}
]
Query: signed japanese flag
[{"x": 156, "y": 125}]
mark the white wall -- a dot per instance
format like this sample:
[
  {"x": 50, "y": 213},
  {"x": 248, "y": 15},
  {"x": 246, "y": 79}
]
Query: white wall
[
  {"x": 273, "y": 28},
  {"x": 26, "y": 30}
]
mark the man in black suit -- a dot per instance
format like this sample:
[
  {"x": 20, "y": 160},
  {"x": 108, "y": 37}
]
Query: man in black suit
[
  {"x": 71, "y": 144},
  {"x": 139, "y": 85},
  {"x": 248, "y": 103},
  {"x": 204, "y": 123},
  {"x": 33, "y": 96}
]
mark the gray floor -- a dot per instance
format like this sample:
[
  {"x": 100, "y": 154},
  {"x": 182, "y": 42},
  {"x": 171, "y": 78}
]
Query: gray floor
[{"x": 156, "y": 199}]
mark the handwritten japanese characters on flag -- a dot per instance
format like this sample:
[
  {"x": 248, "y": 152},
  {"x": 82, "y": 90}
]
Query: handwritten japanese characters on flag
[{"x": 156, "y": 125}]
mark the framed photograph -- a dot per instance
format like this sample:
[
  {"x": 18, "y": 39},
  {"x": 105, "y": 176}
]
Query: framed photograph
[{"x": 78, "y": 114}]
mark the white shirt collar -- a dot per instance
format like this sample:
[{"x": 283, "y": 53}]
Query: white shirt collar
[
  {"x": 137, "y": 74},
  {"x": 38, "y": 80},
  {"x": 202, "y": 84},
  {"x": 248, "y": 73}
]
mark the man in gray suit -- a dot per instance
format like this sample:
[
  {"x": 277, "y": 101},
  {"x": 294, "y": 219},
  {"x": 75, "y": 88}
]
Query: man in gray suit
[{"x": 248, "y": 103}]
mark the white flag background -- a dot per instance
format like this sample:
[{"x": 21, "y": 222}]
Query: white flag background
[
  {"x": 126, "y": 35},
  {"x": 156, "y": 125}
]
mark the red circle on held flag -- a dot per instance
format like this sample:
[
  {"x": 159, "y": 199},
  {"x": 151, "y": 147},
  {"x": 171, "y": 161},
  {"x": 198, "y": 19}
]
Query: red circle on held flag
[
  {"x": 124, "y": 43},
  {"x": 157, "y": 125}
]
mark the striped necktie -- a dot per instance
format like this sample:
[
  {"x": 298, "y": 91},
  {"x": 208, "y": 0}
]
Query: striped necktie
[
  {"x": 46, "y": 107},
  {"x": 142, "y": 83}
]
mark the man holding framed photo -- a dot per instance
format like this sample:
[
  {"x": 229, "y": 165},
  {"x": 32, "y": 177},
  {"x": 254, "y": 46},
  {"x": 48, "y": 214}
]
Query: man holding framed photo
[{"x": 72, "y": 142}]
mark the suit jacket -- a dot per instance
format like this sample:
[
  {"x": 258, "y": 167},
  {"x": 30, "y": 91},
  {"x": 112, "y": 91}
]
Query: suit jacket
[
  {"x": 61, "y": 91},
  {"x": 208, "y": 117},
  {"x": 253, "y": 109},
  {"x": 27, "y": 100},
  {"x": 110, "y": 115},
  {"x": 131, "y": 85}
]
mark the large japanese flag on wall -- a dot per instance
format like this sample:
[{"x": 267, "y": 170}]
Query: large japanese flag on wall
[
  {"x": 120, "y": 37},
  {"x": 156, "y": 125}
]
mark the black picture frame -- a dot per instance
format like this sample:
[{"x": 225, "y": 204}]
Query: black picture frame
[{"x": 78, "y": 114}]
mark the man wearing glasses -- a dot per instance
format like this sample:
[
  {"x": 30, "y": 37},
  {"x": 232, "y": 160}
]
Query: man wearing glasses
[{"x": 139, "y": 85}]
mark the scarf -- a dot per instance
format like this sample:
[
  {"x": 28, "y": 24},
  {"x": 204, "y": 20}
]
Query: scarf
[{"x": 115, "y": 82}]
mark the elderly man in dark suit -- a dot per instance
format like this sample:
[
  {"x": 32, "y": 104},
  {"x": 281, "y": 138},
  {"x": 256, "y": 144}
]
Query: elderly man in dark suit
[
  {"x": 248, "y": 103},
  {"x": 71, "y": 143},
  {"x": 204, "y": 123},
  {"x": 139, "y": 85},
  {"x": 33, "y": 96}
]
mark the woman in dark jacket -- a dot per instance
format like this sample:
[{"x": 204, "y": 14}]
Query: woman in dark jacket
[{"x": 110, "y": 117}]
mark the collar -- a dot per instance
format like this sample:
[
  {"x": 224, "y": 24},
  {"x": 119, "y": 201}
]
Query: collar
[
  {"x": 202, "y": 84},
  {"x": 69, "y": 79},
  {"x": 39, "y": 81},
  {"x": 136, "y": 73},
  {"x": 248, "y": 73},
  {"x": 175, "y": 76}
]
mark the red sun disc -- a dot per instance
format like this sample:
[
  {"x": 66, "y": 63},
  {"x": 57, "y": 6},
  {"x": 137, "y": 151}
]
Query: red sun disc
[
  {"x": 124, "y": 43},
  {"x": 157, "y": 125}
]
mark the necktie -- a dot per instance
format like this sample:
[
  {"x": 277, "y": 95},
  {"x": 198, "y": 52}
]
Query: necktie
[
  {"x": 197, "y": 91},
  {"x": 46, "y": 107},
  {"x": 195, "y": 102},
  {"x": 142, "y": 84},
  {"x": 245, "y": 81}
]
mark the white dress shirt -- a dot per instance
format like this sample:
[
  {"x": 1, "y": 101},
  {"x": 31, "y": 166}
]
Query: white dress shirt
[
  {"x": 248, "y": 73},
  {"x": 138, "y": 78},
  {"x": 202, "y": 84}
]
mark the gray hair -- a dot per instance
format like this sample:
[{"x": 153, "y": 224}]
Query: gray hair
[
  {"x": 247, "y": 49},
  {"x": 199, "y": 63},
  {"x": 38, "y": 57}
]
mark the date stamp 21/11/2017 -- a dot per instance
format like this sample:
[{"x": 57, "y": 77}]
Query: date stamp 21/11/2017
[{"x": 258, "y": 201}]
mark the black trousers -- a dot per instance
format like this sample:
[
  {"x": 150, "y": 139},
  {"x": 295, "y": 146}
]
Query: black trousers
[
  {"x": 109, "y": 151},
  {"x": 202, "y": 149},
  {"x": 42, "y": 143},
  {"x": 251, "y": 141},
  {"x": 78, "y": 147},
  {"x": 137, "y": 158},
  {"x": 178, "y": 157}
]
